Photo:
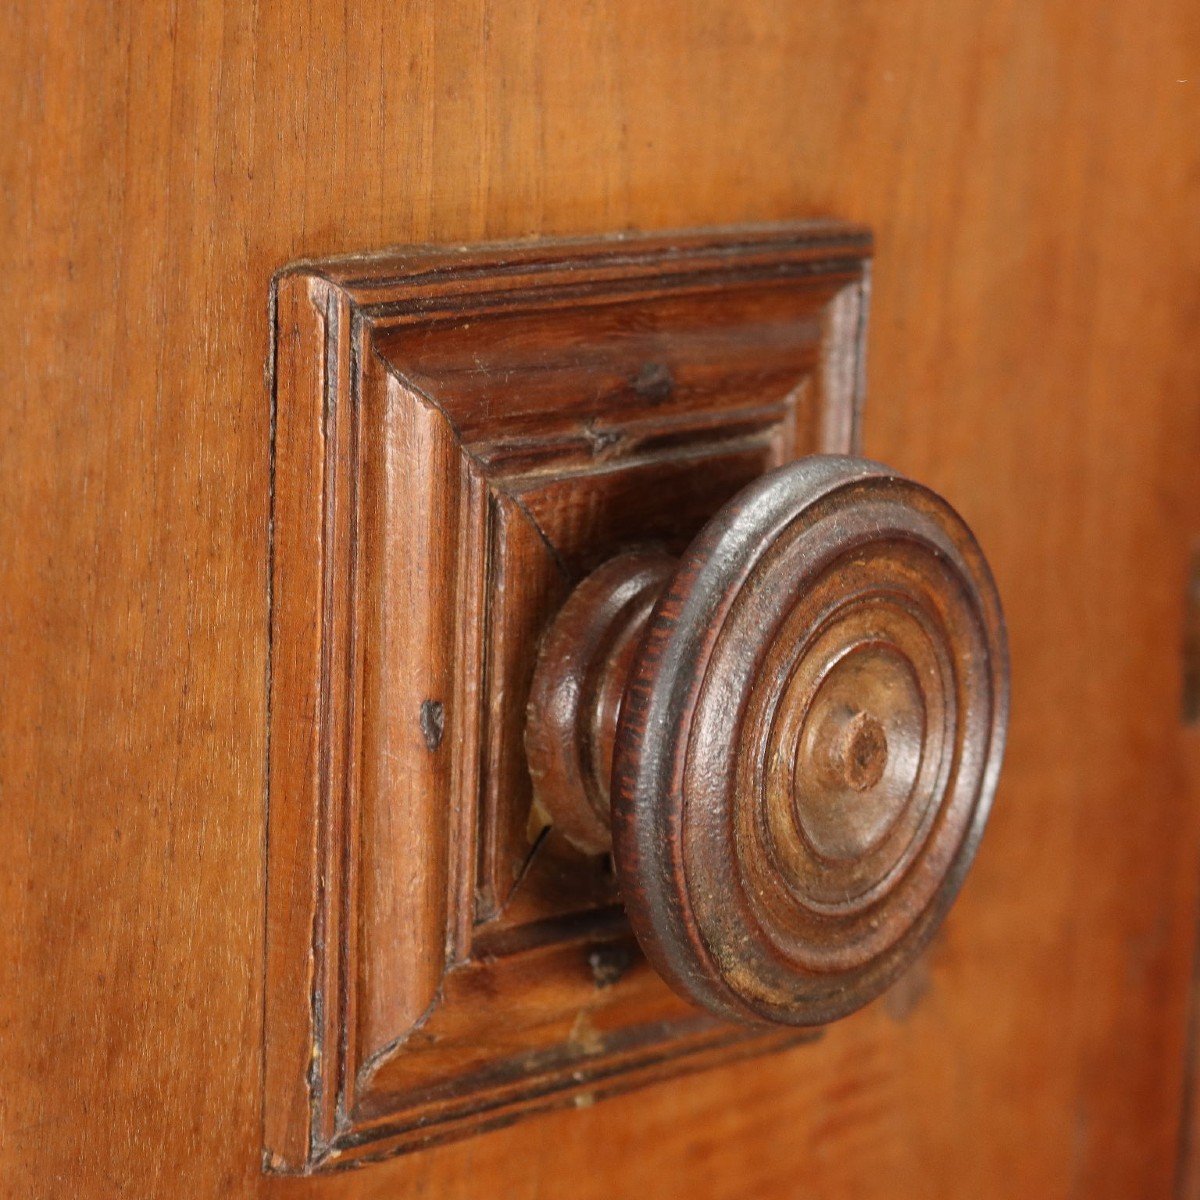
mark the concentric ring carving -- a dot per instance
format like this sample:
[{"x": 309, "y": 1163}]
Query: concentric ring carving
[{"x": 810, "y": 741}]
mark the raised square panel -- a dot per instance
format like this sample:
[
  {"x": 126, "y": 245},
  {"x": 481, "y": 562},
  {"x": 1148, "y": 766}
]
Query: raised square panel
[{"x": 461, "y": 435}]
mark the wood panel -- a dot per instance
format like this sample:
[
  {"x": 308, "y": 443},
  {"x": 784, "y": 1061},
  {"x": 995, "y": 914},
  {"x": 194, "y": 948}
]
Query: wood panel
[{"x": 1031, "y": 173}]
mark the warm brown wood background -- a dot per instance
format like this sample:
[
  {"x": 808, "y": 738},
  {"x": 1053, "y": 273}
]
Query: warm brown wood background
[{"x": 1033, "y": 175}]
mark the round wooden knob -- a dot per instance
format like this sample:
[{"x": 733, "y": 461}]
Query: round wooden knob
[{"x": 790, "y": 737}]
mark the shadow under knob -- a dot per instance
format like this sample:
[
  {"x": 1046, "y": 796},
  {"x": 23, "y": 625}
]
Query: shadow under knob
[{"x": 794, "y": 733}]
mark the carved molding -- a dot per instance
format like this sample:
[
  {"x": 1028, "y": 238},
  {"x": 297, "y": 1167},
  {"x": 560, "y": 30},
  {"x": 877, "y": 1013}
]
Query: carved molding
[{"x": 460, "y": 435}]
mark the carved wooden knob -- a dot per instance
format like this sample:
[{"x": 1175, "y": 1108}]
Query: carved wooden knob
[{"x": 789, "y": 737}]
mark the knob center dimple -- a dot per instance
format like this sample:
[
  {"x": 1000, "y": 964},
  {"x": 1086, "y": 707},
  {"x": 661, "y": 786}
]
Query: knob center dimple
[{"x": 861, "y": 752}]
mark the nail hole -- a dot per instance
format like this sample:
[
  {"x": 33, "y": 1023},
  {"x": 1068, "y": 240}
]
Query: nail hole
[
  {"x": 654, "y": 381},
  {"x": 433, "y": 723},
  {"x": 608, "y": 964}
]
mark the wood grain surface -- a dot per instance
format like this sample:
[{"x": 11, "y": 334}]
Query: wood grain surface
[{"x": 1032, "y": 174}]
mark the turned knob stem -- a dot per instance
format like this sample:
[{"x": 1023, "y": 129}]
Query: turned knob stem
[
  {"x": 583, "y": 667},
  {"x": 789, "y": 737}
]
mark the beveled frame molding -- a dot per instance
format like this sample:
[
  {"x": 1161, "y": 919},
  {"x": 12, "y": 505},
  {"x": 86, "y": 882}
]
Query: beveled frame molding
[{"x": 459, "y": 434}]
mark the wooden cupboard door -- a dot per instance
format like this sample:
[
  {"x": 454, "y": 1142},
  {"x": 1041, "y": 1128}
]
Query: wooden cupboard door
[{"x": 1032, "y": 176}]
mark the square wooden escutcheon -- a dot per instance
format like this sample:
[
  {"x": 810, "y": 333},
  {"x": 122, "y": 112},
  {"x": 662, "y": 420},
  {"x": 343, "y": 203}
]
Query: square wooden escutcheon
[{"x": 460, "y": 435}]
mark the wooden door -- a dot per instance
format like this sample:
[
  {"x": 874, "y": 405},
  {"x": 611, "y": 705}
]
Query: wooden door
[{"x": 1032, "y": 175}]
